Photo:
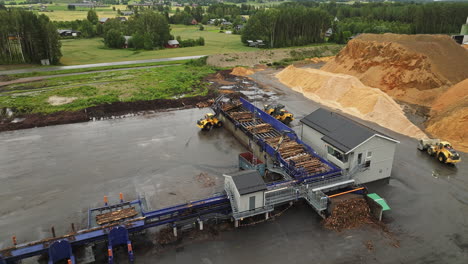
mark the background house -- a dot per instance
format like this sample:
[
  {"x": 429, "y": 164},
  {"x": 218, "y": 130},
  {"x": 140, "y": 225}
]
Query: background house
[
  {"x": 360, "y": 151},
  {"x": 172, "y": 44}
]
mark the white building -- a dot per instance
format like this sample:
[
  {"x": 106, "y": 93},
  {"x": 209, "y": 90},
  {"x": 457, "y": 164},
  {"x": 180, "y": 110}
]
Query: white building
[
  {"x": 363, "y": 153},
  {"x": 246, "y": 189}
]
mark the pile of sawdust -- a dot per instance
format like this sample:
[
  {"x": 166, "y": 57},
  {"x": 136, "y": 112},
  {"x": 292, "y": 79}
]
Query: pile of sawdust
[
  {"x": 449, "y": 119},
  {"x": 348, "y": 94},
  {"x": 60, "y": 100},
  {"x": 320, "y": 59},
  {"x": 241, "y": 71},
  {"x": 411, "y": 68}
]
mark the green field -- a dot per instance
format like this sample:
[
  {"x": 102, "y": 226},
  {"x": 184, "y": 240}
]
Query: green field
[
  {"x": 84, "y": 51},
  {"x": 91, "y": 89}
]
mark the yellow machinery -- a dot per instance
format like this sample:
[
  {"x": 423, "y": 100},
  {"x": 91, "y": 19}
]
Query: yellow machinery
[
  {"x": 442, "y": 150},
  {"x": 209, "y": 121},
  {"x": 278, "y": 112}
]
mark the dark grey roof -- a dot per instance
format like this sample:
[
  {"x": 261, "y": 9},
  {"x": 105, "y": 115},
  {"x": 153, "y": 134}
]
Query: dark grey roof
[
  {"x": 248, "y": 181},
  {"x": 339, "y": 131}
]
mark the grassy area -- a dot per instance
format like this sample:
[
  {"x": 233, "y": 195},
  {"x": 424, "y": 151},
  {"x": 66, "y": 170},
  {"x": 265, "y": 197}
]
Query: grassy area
[
  {"x": 106, "y": 87},
  {"x": 48, "y": 73},
  {"x": 84, "y": 51},
  {"x": 61, "y": 12}
]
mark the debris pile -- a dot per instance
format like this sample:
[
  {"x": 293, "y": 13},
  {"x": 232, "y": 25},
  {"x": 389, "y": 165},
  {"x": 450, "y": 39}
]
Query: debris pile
[
  {"x": 349, "y": 214},
  {"x": 205, "y": 179},
  {"x": 351, "y": 96},
  {"x": 410, "y": 68},
  {"x": 166, "y": 236}
]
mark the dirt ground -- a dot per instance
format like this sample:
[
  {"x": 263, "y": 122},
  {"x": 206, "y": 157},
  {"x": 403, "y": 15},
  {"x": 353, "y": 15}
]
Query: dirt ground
[{"x": 250, "y": 59}]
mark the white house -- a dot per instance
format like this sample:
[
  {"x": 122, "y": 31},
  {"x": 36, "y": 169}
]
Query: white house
[{"x": 361, "y": 152}]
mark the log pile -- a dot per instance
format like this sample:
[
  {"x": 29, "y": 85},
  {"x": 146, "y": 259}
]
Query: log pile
[
  {"x": 242, "y": 116},
  {"x": 230, "y": 106},
  {"x": 261, "y": 128},
  {"x": 295, "y": 152},
  {"x": 117, "y": 215}
]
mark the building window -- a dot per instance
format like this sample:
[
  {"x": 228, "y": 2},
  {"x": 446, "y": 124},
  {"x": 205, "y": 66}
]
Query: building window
[
  {"x": 359, "y": 158},
  {"x": 335, "y": 153},
  {"x": 367, "y": 164},
  {"x": 369, "y": 154}
]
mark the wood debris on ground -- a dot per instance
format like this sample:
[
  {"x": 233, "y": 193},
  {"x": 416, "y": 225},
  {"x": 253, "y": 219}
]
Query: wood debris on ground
[{"x": 349, "y": 214}]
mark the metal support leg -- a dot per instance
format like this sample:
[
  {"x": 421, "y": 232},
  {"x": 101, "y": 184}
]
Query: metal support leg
[
  {"x": 236, "y": 223},
  {"x": 200, "y": 223},
  {"x": 131, "y": 256},
  {"x": 174, "y": 228},
  {"x": 267, "y": 216},
  {"x": 110, "y": 255}
]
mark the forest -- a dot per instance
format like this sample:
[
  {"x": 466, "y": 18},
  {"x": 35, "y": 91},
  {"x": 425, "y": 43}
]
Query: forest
[
  {"x": 27, "y": 38},
  {"x": 305, "y": 22}
]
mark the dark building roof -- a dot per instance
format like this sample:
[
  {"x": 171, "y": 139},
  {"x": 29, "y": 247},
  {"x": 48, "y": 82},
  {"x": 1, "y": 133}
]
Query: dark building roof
[
  {"x": 248, "y": 181},
  {"x": 339, "y": 131}
]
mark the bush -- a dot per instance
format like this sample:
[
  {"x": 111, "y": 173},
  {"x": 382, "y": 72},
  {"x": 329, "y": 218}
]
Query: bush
[
  {"x": 114, "y": 39},
  {"x": 197, "y": 62}
]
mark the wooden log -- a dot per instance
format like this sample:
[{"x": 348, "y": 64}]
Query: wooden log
[{"x": 115, "y": 215}]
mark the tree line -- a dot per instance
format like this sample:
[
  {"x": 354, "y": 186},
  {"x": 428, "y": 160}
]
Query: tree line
[
  {"x": 27, "y": 38},
  {"x": 305, "y": 22},
  {"x": 291, "y": 25}
]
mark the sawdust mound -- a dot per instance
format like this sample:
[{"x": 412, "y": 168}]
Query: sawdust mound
[
  {"x": 348, "y": 94},
  {"x": 241, "y": 71},
  {"x": 349, "y": 214},
  {"x": 411, "y": 68},
  {"x": 449, "y": 119},
  {"x": 320, "y": 59},
  {"x": 453, "y": 96}
]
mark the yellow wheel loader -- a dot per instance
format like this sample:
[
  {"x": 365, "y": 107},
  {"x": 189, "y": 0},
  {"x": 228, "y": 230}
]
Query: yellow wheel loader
[
  {"x": 209, "y": 122},
  {"x": 278, "y": 112},
  {"x": 442, "y": 150}
]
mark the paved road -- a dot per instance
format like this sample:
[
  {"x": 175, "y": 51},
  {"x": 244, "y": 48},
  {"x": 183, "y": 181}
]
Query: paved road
[
  {"x": 50, "y": 176},
  {"x": 83, "y": 66}
]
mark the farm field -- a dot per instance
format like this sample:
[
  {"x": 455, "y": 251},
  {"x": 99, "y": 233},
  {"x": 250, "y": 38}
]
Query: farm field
[{"x": 83, "y": 51}]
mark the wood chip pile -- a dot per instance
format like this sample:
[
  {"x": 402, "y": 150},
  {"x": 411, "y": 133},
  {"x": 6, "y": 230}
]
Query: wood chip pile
[
  {"x": 117, "y": 215},
  {"x": 292, "y": 151},
  {"x": 261, "y": 128},
  {"x": 349, "y": 214}
]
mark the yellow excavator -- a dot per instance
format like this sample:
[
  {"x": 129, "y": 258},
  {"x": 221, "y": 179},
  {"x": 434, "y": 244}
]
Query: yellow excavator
[
  {"x": 442, "y": 150},
  {"x": 278, "y": 112},
  {"x": 209, "y": 122}
]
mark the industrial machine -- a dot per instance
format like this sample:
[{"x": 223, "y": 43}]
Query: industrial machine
[
  {"x": 278, "y": 112},
  {"x": 442, "y": 150},
  {"x": 209, "y": 121}
]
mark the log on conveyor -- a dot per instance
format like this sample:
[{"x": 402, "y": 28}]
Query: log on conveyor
[
  {"x": 229, "y": 106},
  {"x": 259, "y": 129},
  {"x": 115, "y": 215},
  {"x": 241, "y": 115}
]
